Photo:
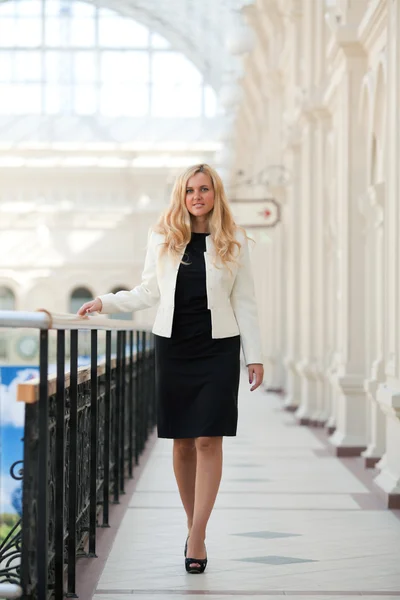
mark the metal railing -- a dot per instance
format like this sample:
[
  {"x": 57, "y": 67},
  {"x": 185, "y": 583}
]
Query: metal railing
[{"x": 84, "y": 431}]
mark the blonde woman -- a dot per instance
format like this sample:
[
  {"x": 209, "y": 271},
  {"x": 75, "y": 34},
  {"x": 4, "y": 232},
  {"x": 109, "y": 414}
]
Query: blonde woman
[{"x": 198, "y": 268}]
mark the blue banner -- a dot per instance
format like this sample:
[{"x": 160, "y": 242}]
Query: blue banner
[{"x": 11, "y": 444}]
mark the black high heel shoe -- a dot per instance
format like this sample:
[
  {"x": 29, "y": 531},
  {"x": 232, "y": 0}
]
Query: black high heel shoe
[
  {"x": 195, "y": 569},
  {"x": 186, "y": 543},
  {"x": 202, "y": 562}
]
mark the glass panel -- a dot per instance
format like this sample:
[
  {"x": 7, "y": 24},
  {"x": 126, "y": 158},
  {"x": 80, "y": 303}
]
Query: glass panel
[
  {"x": 28, "y": 66},
  {"x": 119, "y": 32},
  {"x": 56, "y": 32},
  {"x": 7, "y": 32},
  {"x": 120, "y": 67},
  {"x": 157, "y": 41},
  {"x": 77, "y": 298},
  {"x": 176, "y": 101},
  {"x": 83, "y": 9},
  {"x": 7, "y": 95},
  {"x": 28, "y": 8},
  {"x": 85, "y": 101},
  {"x": 6, "y": 66},
  {"x": 27, "y": 99},
  {"x": 7, "y": 299},
  {"x": 58, "y": 67},
  {"x": 124, "y": 101},
  {"x": 107, "y": 13},
  {"x": 57, "y": 99},
  {"x": 84, "y": 67},
  {"x": 210, "y": 102},
  {"x": 171, "y": 68},
  {"x": 55, "y": 7},
  {"x": 7, "y": 9},
  {"x": 28, "y": 32},
  {"x": 83, "y": 32}
]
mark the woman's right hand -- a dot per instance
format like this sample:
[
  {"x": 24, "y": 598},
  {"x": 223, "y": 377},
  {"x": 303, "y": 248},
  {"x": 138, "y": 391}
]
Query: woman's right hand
[{"x": 93, "y": 306}]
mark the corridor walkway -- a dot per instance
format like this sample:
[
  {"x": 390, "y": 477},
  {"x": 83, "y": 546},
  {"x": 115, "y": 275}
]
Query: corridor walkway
[{"x": 291, "y": 520}]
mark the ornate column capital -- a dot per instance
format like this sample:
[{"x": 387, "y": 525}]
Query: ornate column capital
[{"x": 389, "y": 401}]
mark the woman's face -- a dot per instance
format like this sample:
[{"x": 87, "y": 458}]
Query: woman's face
[{"x": 199, "y": 195}]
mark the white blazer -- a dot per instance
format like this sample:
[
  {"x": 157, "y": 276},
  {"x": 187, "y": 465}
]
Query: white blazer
[{"x": 230, "y": 296}]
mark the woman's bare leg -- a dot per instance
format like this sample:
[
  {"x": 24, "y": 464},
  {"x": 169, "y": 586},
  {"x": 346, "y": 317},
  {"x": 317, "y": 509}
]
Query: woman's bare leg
[
  {"x": 184, "y": 460},
  {"x": 208, "y": 478}
]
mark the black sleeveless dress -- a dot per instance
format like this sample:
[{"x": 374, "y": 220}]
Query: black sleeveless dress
[{"x": 197, "y": 377}]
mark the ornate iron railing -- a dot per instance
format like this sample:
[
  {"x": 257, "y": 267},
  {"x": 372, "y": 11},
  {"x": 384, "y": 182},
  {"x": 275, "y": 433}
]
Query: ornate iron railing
[{"x": 85, "y": 429}]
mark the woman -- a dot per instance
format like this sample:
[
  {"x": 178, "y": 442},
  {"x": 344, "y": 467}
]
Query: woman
[{"x": 197, "y": 266}]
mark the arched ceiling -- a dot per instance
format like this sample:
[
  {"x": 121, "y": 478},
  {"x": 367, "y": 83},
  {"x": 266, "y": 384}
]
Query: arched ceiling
[{"x": 198, "y": 28}]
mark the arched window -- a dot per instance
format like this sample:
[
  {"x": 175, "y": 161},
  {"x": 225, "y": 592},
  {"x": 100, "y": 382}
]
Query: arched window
[
  {"x": 121, "y": 316},
  {"x": 7, "y": 298},
  {"x": 69, "y": 57},
  {"x": 78, "y": 297}
]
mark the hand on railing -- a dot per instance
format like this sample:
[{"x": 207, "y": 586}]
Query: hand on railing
[{"x": 93, "y": 306}]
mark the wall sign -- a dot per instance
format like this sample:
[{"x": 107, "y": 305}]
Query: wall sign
[{"x": 256, "y": 213}]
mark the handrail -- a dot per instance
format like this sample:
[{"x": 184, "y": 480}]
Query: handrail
[
  {"x": 44, "y": 319},
  {"x": 10, "y": 590},
  {"x": 28, "y": 391}
]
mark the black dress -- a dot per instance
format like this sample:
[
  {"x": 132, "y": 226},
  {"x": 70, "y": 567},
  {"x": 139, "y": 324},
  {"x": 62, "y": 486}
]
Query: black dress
[{"x": 197, "y": 377}]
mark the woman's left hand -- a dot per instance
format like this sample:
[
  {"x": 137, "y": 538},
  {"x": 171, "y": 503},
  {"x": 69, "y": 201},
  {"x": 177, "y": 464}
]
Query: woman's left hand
[{"x": 257, "y": 371}]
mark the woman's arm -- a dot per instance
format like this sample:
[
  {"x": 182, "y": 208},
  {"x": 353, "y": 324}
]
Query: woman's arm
[
  {"x": 140, "y": 297},
  {"x": 245, "y": 308}
]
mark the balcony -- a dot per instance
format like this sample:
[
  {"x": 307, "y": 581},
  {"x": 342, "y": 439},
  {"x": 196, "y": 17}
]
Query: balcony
[{"x": 84, "y": 431}]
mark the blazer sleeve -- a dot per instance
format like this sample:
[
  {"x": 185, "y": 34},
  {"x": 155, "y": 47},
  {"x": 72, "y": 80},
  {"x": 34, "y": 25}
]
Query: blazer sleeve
[
  {"x": 244, "y": 306},
  {"x": 142, "y": 296}
]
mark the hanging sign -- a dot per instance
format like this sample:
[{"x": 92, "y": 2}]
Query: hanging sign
[{"x": 256, "y": 213}]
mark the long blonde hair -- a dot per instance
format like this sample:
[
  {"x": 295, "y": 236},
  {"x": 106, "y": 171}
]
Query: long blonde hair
[{"x": 175, "y": 222}]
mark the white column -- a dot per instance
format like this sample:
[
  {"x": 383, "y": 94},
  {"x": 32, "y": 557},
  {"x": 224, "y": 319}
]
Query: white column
[
  {"x": 349, "y": 437},
  {"x": 374, "y": 297},
  {"x": 307, "y": 367},
  {"x": 292, "y": 214},
  {"x": 332, "y": 293},
  {"x": 388, "y": 394},
  {"x": 321, "y": 409},
  {"x": 292, "y": 305}
]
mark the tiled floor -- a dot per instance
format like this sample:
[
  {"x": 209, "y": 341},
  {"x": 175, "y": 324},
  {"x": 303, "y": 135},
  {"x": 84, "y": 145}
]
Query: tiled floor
[{"x": 288, "y": 522}]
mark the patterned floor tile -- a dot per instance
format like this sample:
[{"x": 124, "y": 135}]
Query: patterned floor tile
[{"x": 275, "y": 560}]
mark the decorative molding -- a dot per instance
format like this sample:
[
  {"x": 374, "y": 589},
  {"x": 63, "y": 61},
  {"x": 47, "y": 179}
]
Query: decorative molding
[
  {"x": 344, "y": 41},
  {"x": 373, "y": 23},
  {"x": 350, "y": 385},
  {"x": 389, "y": 401}
]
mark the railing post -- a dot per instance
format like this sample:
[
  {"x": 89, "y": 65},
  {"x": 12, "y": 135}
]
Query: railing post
[
  {"x": 123, "y": 403},
  {"x": 130, "y": 405},
  {"x": 60, "y": 469},
  {"x": 72, "y": 463},
  {"x": 93, "y": 445},
  {"x": 107, "y": 419},
  {"x": 117, "y": 419},
  {"x": 137, "y": 396},
  {"x": 42, "y": 542}
]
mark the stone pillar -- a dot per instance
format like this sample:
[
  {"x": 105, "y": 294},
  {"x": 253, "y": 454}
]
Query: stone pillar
[
  {"x": 388, "y": 394},
  {"x": 321, "y": 409},
  {"x": 292, "y": 158},
  {"x": 374, "y": 297},
  {"x": 292, "y": 240},
  {"x": 307, "y": 365},
  {"x": 349, "y": 437},
  {"x": 331, "y": 296}
]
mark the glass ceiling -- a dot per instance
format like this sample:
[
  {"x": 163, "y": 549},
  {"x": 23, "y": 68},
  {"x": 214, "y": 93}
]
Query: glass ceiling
[{"x": 142, "y": 72}]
